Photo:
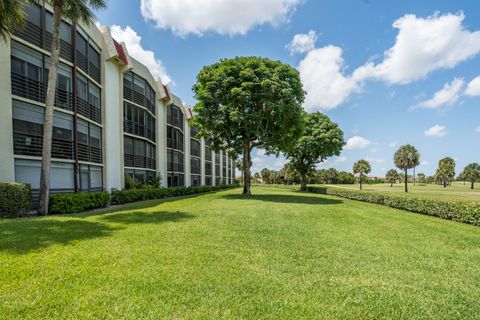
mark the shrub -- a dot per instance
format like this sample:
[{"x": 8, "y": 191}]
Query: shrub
[
  {"x": 456, "y": 210},
  {"x": 15, "y": 199},
  {"x": 78, "y": 202},
  {"x": 124, "y": 196}
]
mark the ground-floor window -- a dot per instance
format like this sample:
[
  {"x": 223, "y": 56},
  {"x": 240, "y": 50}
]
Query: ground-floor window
[
  {"x": 196, "y": 179},
  {"x": 208, "y": 181},
  {"x": 134, "y": 177},
  {"x": 175, "y": 179}
]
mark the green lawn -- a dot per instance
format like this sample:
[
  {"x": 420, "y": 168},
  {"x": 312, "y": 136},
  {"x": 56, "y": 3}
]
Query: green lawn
[
  {"x": 279, "y": 254},
  {"x": 457, "y": 190}
]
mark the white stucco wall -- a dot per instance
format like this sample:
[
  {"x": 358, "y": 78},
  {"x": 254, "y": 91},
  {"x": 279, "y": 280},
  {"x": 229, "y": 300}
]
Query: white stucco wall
[
  {"x": 113, "y": 128},
  {"x": 7, "y": 166}
]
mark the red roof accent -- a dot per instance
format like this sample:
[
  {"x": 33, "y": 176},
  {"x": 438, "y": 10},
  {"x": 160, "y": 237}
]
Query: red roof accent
[
  {"x": 122, "y": 55},
  {"x": 167, "y": 92}
]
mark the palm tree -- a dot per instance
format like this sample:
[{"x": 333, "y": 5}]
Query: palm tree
[
  {"x": 12, "y": 15},
  {"x": 75, "y": 11},
  {"x": 406, "y": 157},
  {"x": 361, "y": 167},
  {"x": 392, "y": 176}
]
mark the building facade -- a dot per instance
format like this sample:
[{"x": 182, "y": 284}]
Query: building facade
[{"x": 113, "y": 121}]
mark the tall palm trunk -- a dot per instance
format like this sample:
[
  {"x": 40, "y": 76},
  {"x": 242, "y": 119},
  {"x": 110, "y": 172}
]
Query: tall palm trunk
[
  {"x": 414, "y": 177},
  {"x": 361, "y": 181},
  {"x": 471, "y": 186},
  {"x": 246, "y": 168},
  {"x": 406, "y": 180},
  {"x": 49, "y": 102}
]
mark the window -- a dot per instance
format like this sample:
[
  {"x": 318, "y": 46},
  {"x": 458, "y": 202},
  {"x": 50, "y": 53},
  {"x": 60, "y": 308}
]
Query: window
[
  {"x": 61, "y": 174},
  {"x": 89, "y": 138},
  {"x": 137, "y": 89},
  {"x": 195, "y": 180},
  {"x": 139, "y": 153},
  {"x": 195, "y": 147},
  {"x": 175, "y": 116},
  {"x": 32, "y": 30},
  {"x": 26, "y": 73},
  {"x": 94, "y": 113},
  {"x": 174, "y": 138},
  {"x": 195, "y": 165}
]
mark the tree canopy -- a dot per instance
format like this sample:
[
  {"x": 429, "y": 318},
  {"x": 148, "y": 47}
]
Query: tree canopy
[
  {"x": 321, "y": 139},
  {"x": 471, "y": 173},
  {"x": 406, "y": 157},
  {"x": 392, "y": 176},
  {"x": 446, "y": 170},
  {"x": 361, "y": 167},
  {"x": 249, "y": 102}
]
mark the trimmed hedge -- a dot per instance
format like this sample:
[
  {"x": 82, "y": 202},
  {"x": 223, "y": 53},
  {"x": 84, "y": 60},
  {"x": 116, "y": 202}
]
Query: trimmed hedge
[
  {"x": 15, "y": 199},
  {"x": 77, "y": 202},
  {"x": 456, "y": 210},
  {"x": 131, "y": 195}
]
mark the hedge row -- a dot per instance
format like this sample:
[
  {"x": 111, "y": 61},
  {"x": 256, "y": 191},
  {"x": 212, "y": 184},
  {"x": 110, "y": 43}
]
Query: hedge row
[
  {"x": 15, "y": 199},
  {"x": 456, "y": 210},
  {"x": 83, "y": 201},
  {"x": 77, "y": 202},
  {"x": 131, "y": 195}
]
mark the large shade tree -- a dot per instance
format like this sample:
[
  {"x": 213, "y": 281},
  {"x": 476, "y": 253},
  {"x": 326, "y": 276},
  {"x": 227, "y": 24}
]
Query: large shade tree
[
  {"x": 392, "y": 176},
  {"x": 406, "y": 157},
  {"x": 321, "y": 139},
  {"x": 249, "y": 102},
  {"x": 445, "y": 171},
  {"x": 74, "y": 11},
  {"x": 361, "y": 167},
  {"x": 471, "y": 173}
]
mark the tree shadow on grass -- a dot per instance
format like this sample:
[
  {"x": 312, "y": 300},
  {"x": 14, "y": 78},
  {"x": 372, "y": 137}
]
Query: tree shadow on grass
[
  {"x": 140, "y": 217},
  {"x": 21, "y": 236},
  {"x": 293, "y": 199}
]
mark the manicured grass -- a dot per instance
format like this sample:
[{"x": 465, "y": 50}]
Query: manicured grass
[
  {"x": 457, "y": 191},
  {"x": 278, "y": 254}
]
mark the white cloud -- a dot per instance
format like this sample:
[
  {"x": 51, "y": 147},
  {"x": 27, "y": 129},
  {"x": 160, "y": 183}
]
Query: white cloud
[
  {"x": 436, "y": 131},
  {"x": 323, "y": 80},
  {"x": 447, "y": 96},
  {"x": 231, "y": 17},
  {"x": 424, "y": 163},
  {"x": 341, "y": 159},
  {"x": 393, "y": 144},
  {"x": 356, "y": 143},
  {"x": 133, "y": 43},
  {"x": 423, "y": 45},
  {"x": 302, "y": 42},
  {"x": 477, "y": 129},
  {"x": 473, "y": 87},
  {"x": 375, "y": 160}
]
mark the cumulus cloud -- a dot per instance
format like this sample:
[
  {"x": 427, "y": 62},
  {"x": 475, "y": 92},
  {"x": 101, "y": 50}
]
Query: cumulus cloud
[
  {"x": 323, "y": 79},
  {"x": 393, "y": 144},
  {"x": 303, "y": 42},
  {"x": 357, "y": 143},
  {"x": 477, "y": 129},
  {"x": 436, "y": 131},
  {"x": 447, "y": 96},
  {"x": 473, "y": 87},
  {"x": 230, "y": 17},
  {"x": 134, "y": 47},
  {"x": 423, "y": 45}
]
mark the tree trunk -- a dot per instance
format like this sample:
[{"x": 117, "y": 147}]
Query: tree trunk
[
  {"x": 49, "y": 103},
  {"x": 391, "y": 184},
  {"x": 246, "y": 168},
  {"x": 444, "y": 183},
  {"x": 414, "y": 177},
  {"x": 360, "y": 181},
  {"x": 406, "y": 180},
  {"x": 303, "y": 183},
  {"x": 471, "y": 186}
]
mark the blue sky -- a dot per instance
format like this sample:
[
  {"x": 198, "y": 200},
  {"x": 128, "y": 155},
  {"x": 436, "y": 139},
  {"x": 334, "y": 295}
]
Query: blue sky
[{"x": 388, "y": 72}]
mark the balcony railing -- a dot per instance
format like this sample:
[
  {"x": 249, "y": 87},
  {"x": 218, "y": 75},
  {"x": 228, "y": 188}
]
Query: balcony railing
[
  {"x": 175, "y": 144},
  {"x": 89, "y": 110},
  {"x": 89, "y": 153},
  {"x": 65, "y": 47},
  {"x": 131, "y": 160},
  {"x": 31, "y": 33},
  {"x": 28, "y": 88},
  {"x": 31, "y": 145}
]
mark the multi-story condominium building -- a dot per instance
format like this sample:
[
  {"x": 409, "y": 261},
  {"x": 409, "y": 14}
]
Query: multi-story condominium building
[{"x": 112, "y": 118}]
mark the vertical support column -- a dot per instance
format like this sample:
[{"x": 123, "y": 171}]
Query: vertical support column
[
  {"x": 7, "y": 162},
  {"x": 227, "y": 172},
  {"x": 113, "y": 127},
  {"x": 186, "y": 152},
  {"x": 214, "y": 169},
  {"x": 221, "y": 166},
  {"x": 202, "y": 162},
  {"x": 161, "y": 129}
]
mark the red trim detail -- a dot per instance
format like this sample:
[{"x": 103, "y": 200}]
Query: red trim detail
[
  {"x": 167, "y": 92},
  {"x": 122, "y": 55}
]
